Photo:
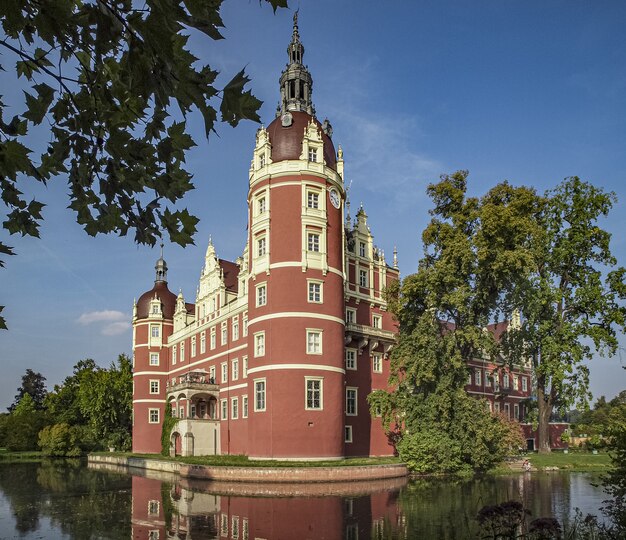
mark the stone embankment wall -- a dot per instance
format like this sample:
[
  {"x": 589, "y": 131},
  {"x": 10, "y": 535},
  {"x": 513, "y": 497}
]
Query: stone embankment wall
[{"x": 260, "y": 474}]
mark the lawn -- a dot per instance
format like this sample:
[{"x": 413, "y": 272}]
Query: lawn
[{"x": 572, "y": 461}]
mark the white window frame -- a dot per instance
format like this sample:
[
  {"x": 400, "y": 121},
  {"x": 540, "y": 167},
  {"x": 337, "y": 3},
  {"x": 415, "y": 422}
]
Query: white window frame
[
  {"x": 377, "y": 362},
  {"x": 354, "y": 389},
  {"x": 244, "y": 406},
  {"x": 351, "y": 359},
  {"x": 478, "y": 377},
  {"x": 506, "y": 381},
  {"x": 261, "y": 294},
  {"x": 212, "y": 374},
  {"x": 310, "y": 392},
  {"x": 261, "y": 204},
  {"x": 155, "y": 386},
  {"x": 362, "y": 249},
  {"x": 313, "y": 242},
  {"x": 350, "y": 315},
  {"x": 315, "y": 292},
  {"x": 155, "y": 331},
  {"x": 261, "y": 246},
  {"x": 377, "y": 322},
  {"x": 313, "y": 199},
  {"x": 314, "y": 339},
  {"x": 524, "y": 384},
  {"x": 244, "y": 367},
  {"x": 154, "y": 416},
  {"x": 515, "y": 382},
  {"x": 260, "y": 392},
  {"x": 234, "y": 369},
  {"x": 245, "y": 324},
  {"x": 154, "y": 359},
  {"x": 313, "y": 155},
  {"x": 224, "y": 409},
  {"x": 259, "y": 344},
  {"x": 234, "y": 408},
  {"x": 182, "y": 351},
  {"x": 516, "y": 409},
  {"x": 363, "y": 278},
  {"x": 213, "y": 339},
  {"x": 193, "y": 346},
  {"x": 224, "y": 372},
  {"x": 235, "y": 328},
  {"x": 174, "y": 353},
  {"x": 348, "y": 434},
  {"x": 203, "y": 342},
  {"x": 487, "y": 379}
]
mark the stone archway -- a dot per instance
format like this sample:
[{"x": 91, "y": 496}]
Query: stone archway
[{"x": 177, "y": 443}]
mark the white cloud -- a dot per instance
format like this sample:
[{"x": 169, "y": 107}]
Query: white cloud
[
  {"x": 110, "y": 322},
  {"x": 101, "y": 316},
  {"x": 115, "y": 328}
]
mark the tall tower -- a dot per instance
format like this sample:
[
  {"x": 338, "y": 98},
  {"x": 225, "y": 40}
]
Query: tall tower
[
  {"x": 152, "y": 324},
  {"x": 296, "y": 291}
]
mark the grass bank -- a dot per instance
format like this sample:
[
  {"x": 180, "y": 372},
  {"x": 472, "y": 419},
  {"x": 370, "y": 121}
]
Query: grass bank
[
  {"x": 244, "y": 461},
  {"x": 19, "y": 457},
  {"x": 572, "y": 461}
]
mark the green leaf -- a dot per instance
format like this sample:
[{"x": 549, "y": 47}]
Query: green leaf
[
  {"x": 38, "y": 106},
  {"x": 239, "y": 105}
]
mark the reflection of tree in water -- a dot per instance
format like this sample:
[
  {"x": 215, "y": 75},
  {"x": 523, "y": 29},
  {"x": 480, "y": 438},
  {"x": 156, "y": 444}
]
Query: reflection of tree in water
[{"x": 80, "y": 502}]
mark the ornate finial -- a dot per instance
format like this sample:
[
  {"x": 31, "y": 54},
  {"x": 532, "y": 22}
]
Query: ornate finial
[
  {"x": 161, "y": 267},
  {"x": 340, "y": 153},
  {"x": 295, "y": 22},
  {"x": 395, "y": 257},
  {"x": 210, "y": 240}
]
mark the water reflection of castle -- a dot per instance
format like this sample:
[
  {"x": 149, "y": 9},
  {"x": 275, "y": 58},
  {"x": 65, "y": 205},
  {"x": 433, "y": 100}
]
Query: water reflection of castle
[{"x": 180, "y": 510}]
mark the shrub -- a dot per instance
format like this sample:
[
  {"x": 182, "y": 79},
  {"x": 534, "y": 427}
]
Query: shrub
[{"x": 60, "y": 440}]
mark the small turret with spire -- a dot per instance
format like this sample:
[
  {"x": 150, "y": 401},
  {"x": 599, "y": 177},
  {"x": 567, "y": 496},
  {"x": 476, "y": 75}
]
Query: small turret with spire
[
  {"x": 161, "y": 268},
  {"x": 296, "y": 83}
]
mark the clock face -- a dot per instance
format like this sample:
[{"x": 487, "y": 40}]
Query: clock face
[{"x": 335, "y": 200}]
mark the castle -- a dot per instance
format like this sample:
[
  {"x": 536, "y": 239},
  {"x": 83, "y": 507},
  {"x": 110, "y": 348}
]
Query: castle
[{"x": 276, "y": 357}]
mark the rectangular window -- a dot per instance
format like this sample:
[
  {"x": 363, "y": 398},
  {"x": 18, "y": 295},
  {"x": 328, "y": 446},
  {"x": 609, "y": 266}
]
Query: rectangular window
[
  {"x": 244, "y": 406},
  {"x": 174, "y": 352},
  {"x": 350, "y": 316},
  {"x": 313, "y": 242},
  {"x": 262, "y": 160},
  {"x": 259, "y": 344},
  {"x": 487, "y": 379},
  {"x": 153, "y": 508},
  {"x": 351, "y": 401},
  {"x": 224, "y": 340},
  {"x": 153, "y": 416},
  {"x": 261, "y": 246},
  {"x": 313, "y": 154},
  {"x": 213, "y": 341},
  {"x": 505, "y": 380},
  {"x": 234, "y": 368},
  {"x": 203, "y": 343},
  {"x": 261, "y": 205},
  {"x": 377, "y": 363},
  {"x": 314, "y": 342},
  {"x": 224, "y": 525},
  {"x": 193, "y": 346},
  {"x": 235, "y": 329},
  {"x": 507, "y": 410},
  {"x": 351, "y": 359},
  {"x": 244, "y": 362},
  {"x": 245, "y": 324},
  {"x": 377, "y": 321},
  {"x": 496, "y": 382},
  {"x": 313, "y": 394},
  {"x": 154, "y": 331},
  {"x": 182, "y": 351},
  {"x": 362, "y": 278},
  {"x": 234, "y": 528},
  {"x": 515, "y": 382},
  {"x": 224, "y": 372},
  {"x": 362, "y": 249},
  {"x": 348, "y": 434},
  {"x": 259, "y": 395},
  {"x": 154, "y": 359},
  {"x": 315, "y": 292},
  {"x": 477, "y": 377},
  {"x": 524, "y": 384},
  {"x": 496, "y": 407},
  {"x": 224, "y": 409},
  {"x": 234, "y": 408},
  {"x": 154, "y": 386},
  {"x": 244, "y": 529},
  {"x": 313, "y": 199},
  {"x": 261, "y": 295},
  {"x": 181, "y": 412},
  {"x": 516, "y": 411},
  {"x": 212, "y": 374}
]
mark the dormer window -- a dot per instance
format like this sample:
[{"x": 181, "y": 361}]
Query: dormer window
[
  {"x": 362, "y": 249},
  {"x": 155, "y": 309},
  {"x": 262, "y": 160},
  {"x": 313, "y": 155}
]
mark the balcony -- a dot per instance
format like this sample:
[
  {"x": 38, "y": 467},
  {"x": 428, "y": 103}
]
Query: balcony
[
  {"x": 370, "y": 331},
  {"x": 193, "y": 383}
]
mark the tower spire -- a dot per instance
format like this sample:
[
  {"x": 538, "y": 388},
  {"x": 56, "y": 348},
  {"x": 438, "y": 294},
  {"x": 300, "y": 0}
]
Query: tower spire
[
  {"x": 161, "y": 267},
  {"x": 296, "y": 84}
]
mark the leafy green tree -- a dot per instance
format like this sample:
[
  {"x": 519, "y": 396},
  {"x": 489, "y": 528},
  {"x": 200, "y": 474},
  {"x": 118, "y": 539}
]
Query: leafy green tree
[
  {"x": 472, "y": 248},
  {"x": 33, "y": 385},
  {"x": 60, "y": 440},
  {"x": 23, "y": 425},
  {"x": 105, "y": 398},
  {"x": 571, "y": 297},
  {"x": 105, "y": 78},
  {"x": 63, "y": 403}
]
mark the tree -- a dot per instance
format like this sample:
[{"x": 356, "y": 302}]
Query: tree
[
  {"x": 34, "y": 385},
  {"x": 472, "y": 248},
  {"x": 103, "y": 77},
  {"x": 23, "y": 424},
  {"x": 571, "y": 298}
]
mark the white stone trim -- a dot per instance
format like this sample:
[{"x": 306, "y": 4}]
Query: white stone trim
[
  {"x": 235, "y": 387},
  {"x": 149, "y": 373},
  {"x": 274, "y": 367},
  {"x": 298, "y": 264},
  {"x": 293, "y": 314},
  {"x": 161, "y": 401}
]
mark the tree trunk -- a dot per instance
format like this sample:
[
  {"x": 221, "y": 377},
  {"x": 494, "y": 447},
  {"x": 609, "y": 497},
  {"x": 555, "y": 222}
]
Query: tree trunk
[{"x": 544, "y": 405}]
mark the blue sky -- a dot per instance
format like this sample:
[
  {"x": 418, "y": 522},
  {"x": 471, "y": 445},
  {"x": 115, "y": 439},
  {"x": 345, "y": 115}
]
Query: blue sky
[{"x": 530, "y": 92}]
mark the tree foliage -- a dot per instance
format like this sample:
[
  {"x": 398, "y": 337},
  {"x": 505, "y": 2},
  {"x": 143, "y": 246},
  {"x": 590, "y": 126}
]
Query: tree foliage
[
  {"x": 34, "y": 386},
  {"x": 471, "y": 248},
  {"x": 571, "y": 296},
  {"x": 112, "y": 83}
]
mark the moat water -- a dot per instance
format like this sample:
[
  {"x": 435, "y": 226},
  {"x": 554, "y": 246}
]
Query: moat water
[{"x": 68, "y": 500}]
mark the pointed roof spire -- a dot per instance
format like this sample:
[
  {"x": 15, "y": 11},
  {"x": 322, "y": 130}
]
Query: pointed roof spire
[
  {"x": 395, "y": 257},
  {"x": 161, "y": 267},
  {"x": 296, "y": 84}
]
